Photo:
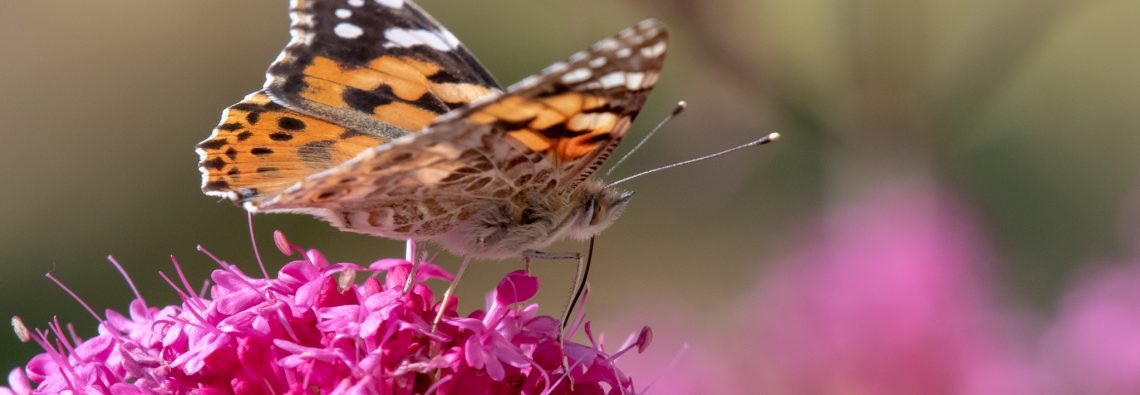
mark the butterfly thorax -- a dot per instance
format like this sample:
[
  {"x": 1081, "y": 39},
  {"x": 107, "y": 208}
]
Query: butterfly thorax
[{"x": 533, "y": 220}]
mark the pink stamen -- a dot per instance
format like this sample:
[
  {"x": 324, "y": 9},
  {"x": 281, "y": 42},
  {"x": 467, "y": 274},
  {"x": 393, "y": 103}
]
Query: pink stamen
[
  {"x": 123, "y": 272},
  {"x": 60, "y": 358},
  {"x": 189, "y": 306},
  {"x": 253, "y": 240},
  {"x": 668, "y": 367},
  {"x": 578, "y": 316},
  {"x": 644, "y": 337},
  {"x": 182, "y": 277},
  {"x": 76, "y": 297},
  {"x": 565, "y": 375},
  {"x": 223, "y": 264},
  {"x": 230, "y": 268},
  {"x": 21, "y": 330},
  {"x": 590, "y": 335},
  {"x": 74, "y": 336},
  {"x": 61, "y": 338},
  {"x": 282, "y": 243},
  {"x": 205, "y": 287}
]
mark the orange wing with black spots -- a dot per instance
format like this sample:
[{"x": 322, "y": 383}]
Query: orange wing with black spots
[
  {"x": 260, "y": 148},
  {"x": 577, "y": 112},
  {"x": 356, "y": 74},
  {"x": 544, "y": 136},
  {"x": 382, "y": 66}
]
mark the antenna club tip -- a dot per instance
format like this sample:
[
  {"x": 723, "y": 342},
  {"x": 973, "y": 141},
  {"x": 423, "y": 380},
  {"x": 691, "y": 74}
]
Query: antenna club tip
[
  {"x": 681, "y": 106},
  {"x": 774, "y": 136}
]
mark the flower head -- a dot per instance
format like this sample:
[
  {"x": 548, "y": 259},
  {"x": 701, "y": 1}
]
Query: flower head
[{"x": 310, "y": 329}]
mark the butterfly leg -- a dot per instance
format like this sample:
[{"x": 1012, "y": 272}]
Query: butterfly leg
[
  {"x": 580, "y": 276},
  {"x": 410, "y": 256},
  {"x": 450, "y": 291}
]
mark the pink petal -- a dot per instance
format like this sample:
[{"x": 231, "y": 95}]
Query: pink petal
[
  {"x": 495, "y": 369},
  {"x": 317, "y": 259},
  {"x": 18, "y": 382},
  {"x": 516, "y": 287},
  {"x": 236, "y": 302},
  {"x": 40, "y": 367},
  {"x": 473, "y": 353}
]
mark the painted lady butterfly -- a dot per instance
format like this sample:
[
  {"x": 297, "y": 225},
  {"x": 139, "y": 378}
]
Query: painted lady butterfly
[{"x": 376, "y": 119}]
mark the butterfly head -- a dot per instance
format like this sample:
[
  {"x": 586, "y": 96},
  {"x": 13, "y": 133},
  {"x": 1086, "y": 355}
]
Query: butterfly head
[{"x": 598, "y": 208}]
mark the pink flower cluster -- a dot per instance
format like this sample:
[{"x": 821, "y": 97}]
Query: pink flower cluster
[{"x": 309, "y": 330}]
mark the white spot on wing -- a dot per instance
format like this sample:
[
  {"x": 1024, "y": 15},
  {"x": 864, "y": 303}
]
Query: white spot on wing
[
  {"x": 612, "y": 80},
  {"x": 592, "y": 85},
  {"x": 633, "y": 80},
  {"x": 356, "y": 3},
  {"x": 576, "y": 75},
  {"x": 450, "y": 39},
  {"x": 608, "y": 44},
  {"x": 597, "y": 62},
  {"x": 398, "y": 37},
  {"x": 391, "y": 3},
  {"x": 554, "y": 68},
  {"x": 343, "y": 13},
  {"x": 653, "y": 51},
  {"x": 527, "y": 82},
  {"x": 578, "y": 56},
  {"x": 347, "y": 30},
  {"x": 624, "y": 52}
]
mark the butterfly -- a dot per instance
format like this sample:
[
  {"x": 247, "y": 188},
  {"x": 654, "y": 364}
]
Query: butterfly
[{"x": 377, "y": 120}]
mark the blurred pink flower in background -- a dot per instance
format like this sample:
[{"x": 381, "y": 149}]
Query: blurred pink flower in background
[
  {"x": 1094, "y": 346},
  {"x": 890, "y": 295}
]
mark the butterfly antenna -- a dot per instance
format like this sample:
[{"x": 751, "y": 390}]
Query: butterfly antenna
[
  {"x": 761, "y": 141},
  {"x": 681, "y": 105}
]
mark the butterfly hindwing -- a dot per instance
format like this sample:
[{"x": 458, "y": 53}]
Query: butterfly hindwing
[
  {"x": 260, "y": 148},
  {"x": 545, "y": 135},
  {"x": 383, "y": 66}
]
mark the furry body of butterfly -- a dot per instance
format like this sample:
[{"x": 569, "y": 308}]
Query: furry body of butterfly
[{"x": 501, "y": 230}]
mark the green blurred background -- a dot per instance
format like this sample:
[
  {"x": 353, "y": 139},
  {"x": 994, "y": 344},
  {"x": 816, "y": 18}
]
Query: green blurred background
[{"x": 1026, "y": 108}]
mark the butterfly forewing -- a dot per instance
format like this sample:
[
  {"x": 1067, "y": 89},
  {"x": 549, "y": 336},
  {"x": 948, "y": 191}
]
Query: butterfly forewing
[
  {"x": 385, "y": 67},
  {"x": 577, "y": 111},
  {"x": 356, "y": 74}
]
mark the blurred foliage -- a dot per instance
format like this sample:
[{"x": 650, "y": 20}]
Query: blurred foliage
[{"x": 1025, "y": 108}]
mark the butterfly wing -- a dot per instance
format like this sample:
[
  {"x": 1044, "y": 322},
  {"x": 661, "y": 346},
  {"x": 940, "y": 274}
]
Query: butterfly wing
[
  {"x": 355, "y": 75},
  {"x": 576, "y": 112},
  {"x": 385, "y": 67},
  {"x": 261, "y": 147},
  {"x": 547, "y": 133}
]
